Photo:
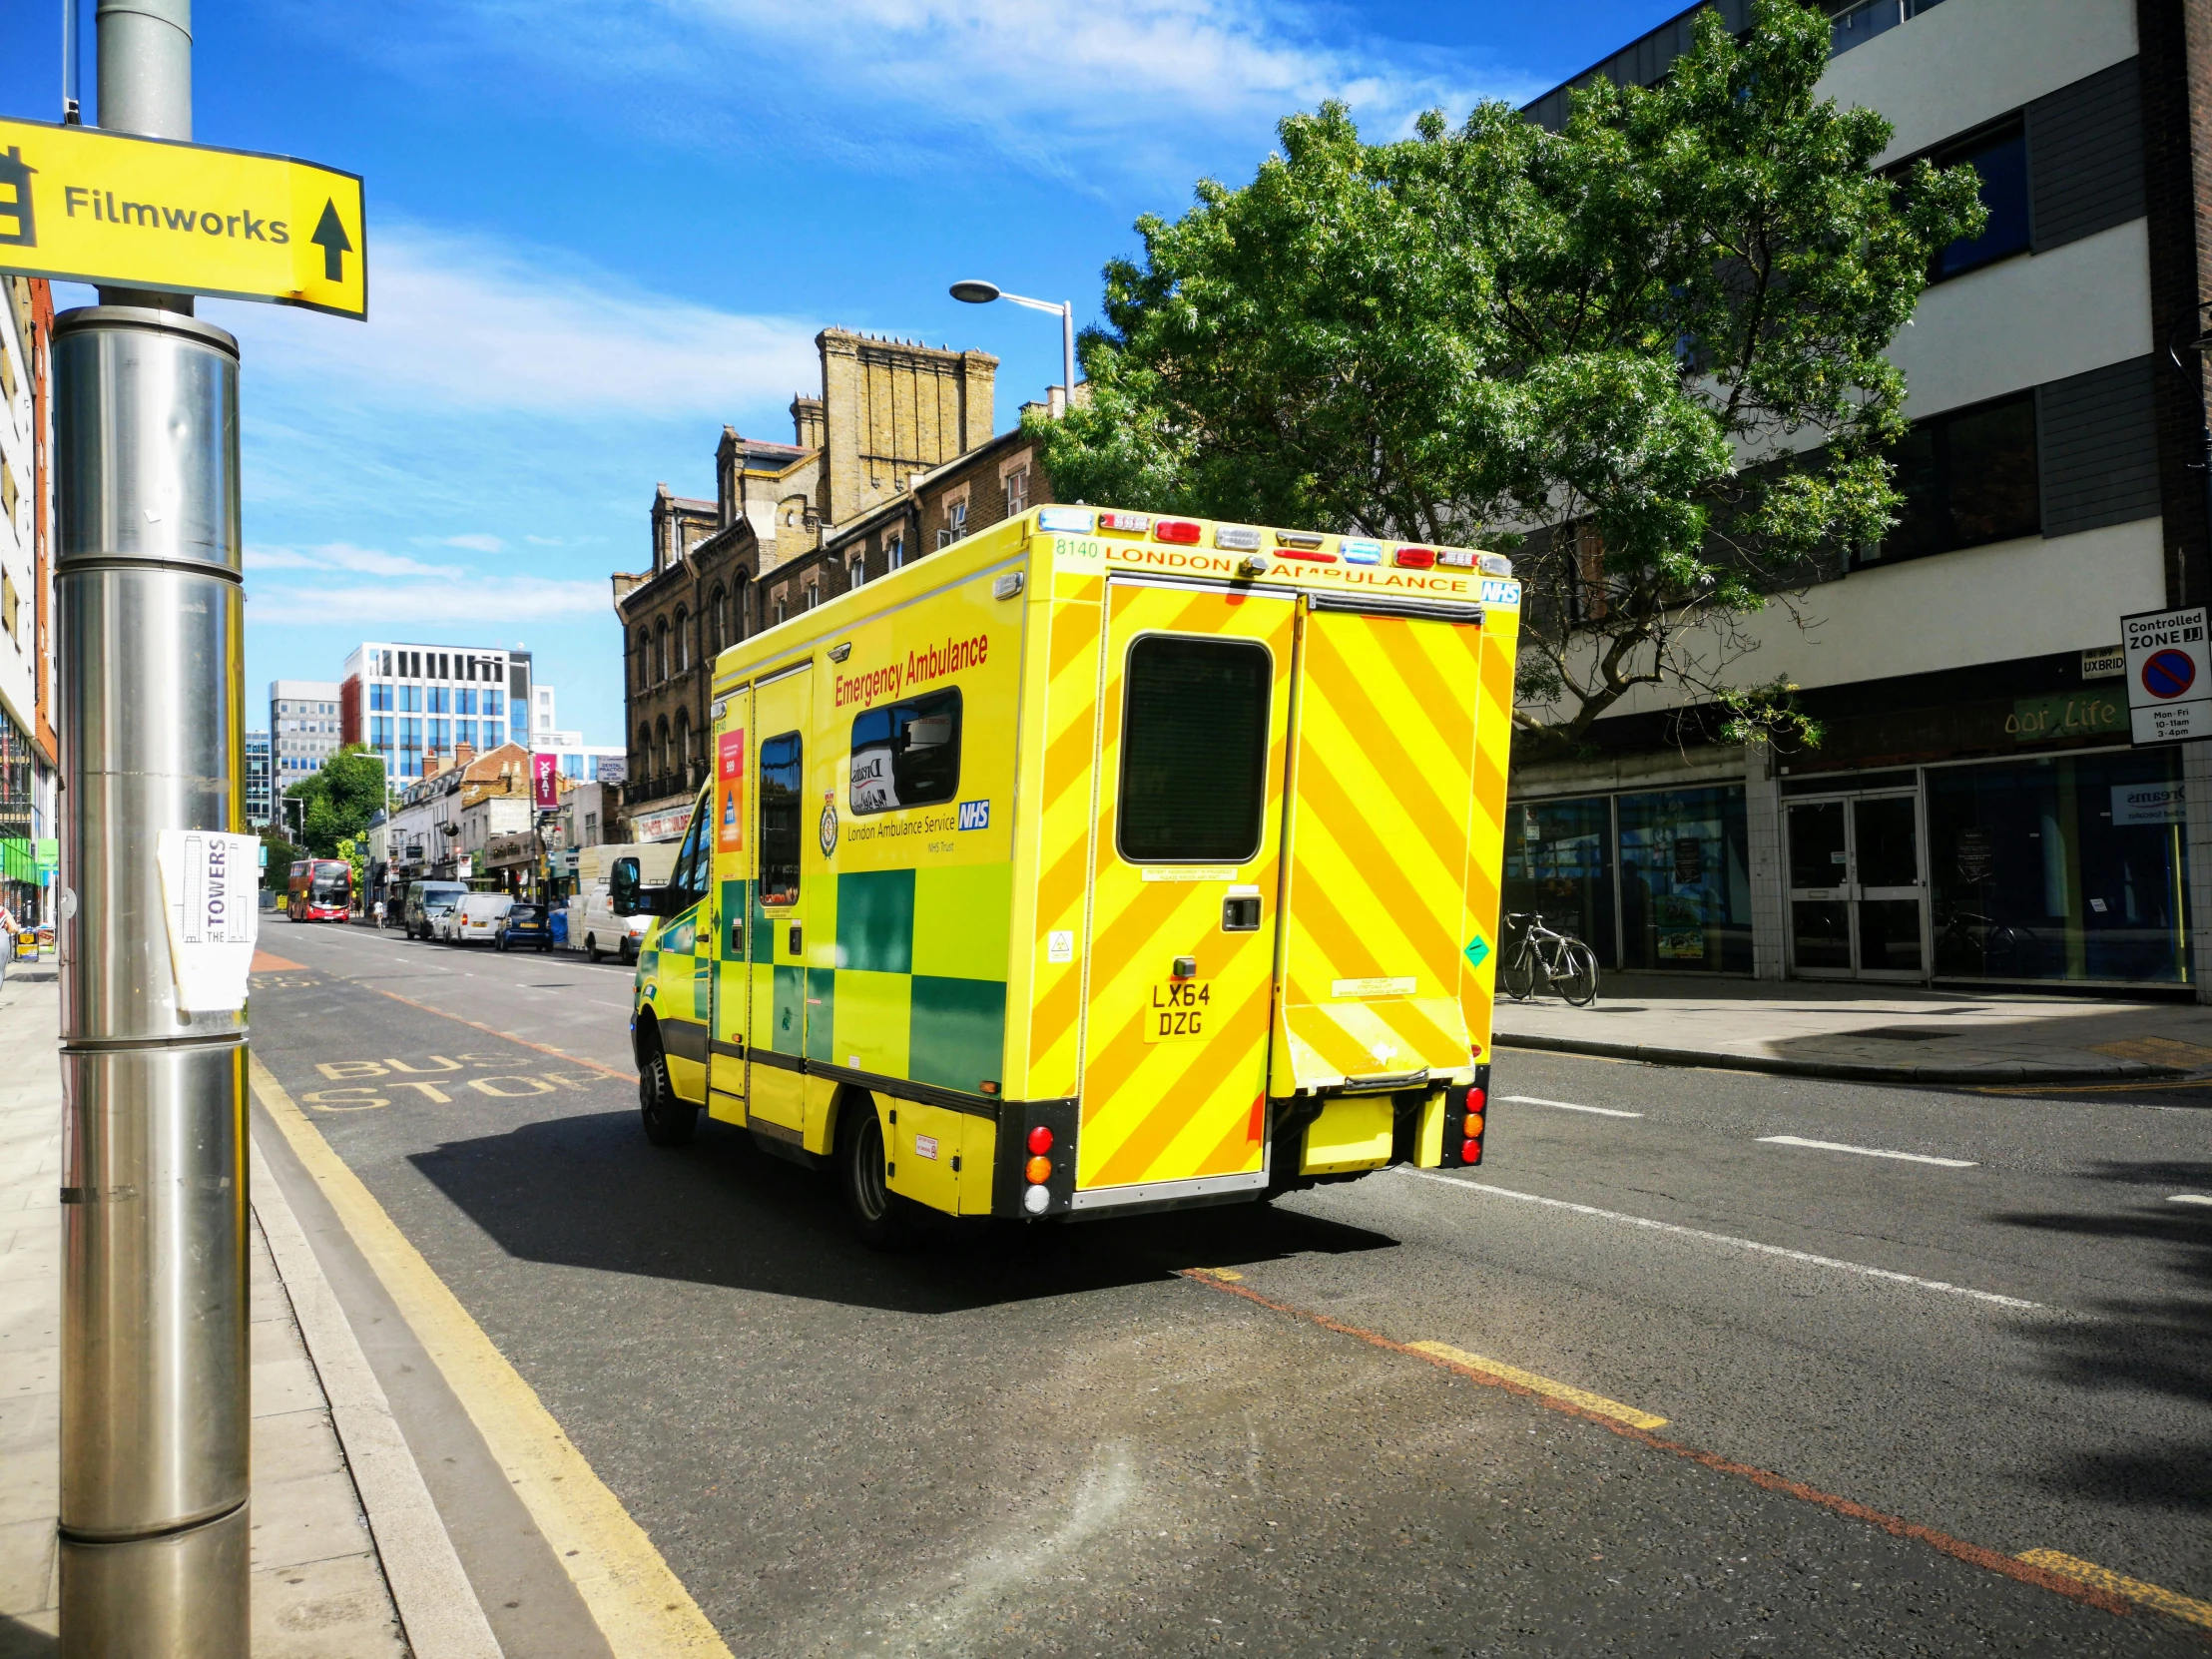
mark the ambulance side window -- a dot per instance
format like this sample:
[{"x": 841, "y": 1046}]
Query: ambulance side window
[
  {"x": 906, "y": 754},
  {"x": 1194, "y": 750},
  {"x": 779, "y": 812},
  {"x": 692, "y": 862}
]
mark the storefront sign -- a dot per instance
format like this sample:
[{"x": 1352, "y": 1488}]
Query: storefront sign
[
  {"x": 664, "y": 825},
  {"x": 1689, "y": 861},
  {"x": 2147, "y": 804},
  {"x": 2070, "y": 715},
  {"x": 2104, "y": 661},
  {"x": 2169, "y": 688}
]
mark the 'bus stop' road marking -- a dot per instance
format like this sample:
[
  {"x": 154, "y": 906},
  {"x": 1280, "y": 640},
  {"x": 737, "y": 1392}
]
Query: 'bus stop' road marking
[
  {"x": 2103, "y": 1578},
  {"x": 636, "y": 1602},
  {"x": 1734, "y": 1242},
  {"x": 1868, "y": 1150},
  {"x": 1567, "y": 1106}
]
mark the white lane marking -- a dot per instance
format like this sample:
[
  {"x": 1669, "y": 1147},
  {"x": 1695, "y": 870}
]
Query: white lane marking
[
  {"x": 1734, "y": 1242},
  {"x": 1868, "y": 1150},
  {"x": 2189, "y": 1198},
  {"x": 603, "y": 1004},
  {"x": 1567, "y": 1106}
]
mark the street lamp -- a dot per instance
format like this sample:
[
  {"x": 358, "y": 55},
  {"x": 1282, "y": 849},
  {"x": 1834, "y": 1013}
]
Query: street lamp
[{"x": 982, "y": 293}]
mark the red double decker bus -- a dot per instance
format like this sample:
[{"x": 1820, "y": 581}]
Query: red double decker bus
[{"x": 321, "y": 890}]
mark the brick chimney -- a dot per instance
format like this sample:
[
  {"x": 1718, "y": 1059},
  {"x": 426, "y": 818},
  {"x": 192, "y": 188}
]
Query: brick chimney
[
  {"x": 432, "y": 764},
  {"x": 463, "y": 753}
]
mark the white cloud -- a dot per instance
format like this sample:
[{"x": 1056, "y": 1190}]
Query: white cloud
[
  {"x": 1067, "y": 88},
  {"x": 495, "y": 600},
  {"x": 463, "y": 324},
  {"x": 476, "y": 542},
  {"x": 343, "y": 556}
]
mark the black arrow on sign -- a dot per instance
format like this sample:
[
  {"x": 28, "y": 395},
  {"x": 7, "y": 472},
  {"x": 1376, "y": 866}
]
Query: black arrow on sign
[{"x": 329, "y": 236}]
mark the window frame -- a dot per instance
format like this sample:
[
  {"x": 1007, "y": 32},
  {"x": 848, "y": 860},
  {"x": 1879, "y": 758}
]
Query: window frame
[
  {"x": 1939, "y": 423},
  {"x": 761, "y": 764},
  {"x": 852, "y": 749},
  {"x": 1260, "y": 765}
]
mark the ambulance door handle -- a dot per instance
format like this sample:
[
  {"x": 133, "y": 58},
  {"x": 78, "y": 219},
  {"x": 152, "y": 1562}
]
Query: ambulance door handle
[
  {"x": 794, "y": 938},
  {"x": 737, "y": 936},
  {"x": 1239, "y": 914}
]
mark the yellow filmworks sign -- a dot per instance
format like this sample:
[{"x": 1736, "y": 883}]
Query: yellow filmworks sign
[{"x": 85, "y": 205}]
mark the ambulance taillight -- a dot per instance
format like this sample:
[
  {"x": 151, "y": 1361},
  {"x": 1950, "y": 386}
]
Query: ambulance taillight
[{"x": 1180, "y": 531}]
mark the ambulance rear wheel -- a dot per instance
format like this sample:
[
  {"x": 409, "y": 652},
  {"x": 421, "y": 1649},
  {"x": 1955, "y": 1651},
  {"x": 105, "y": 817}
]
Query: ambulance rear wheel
[
  {"x": 864, "y": 1174},
  {"x": 669, "y": 1120}
]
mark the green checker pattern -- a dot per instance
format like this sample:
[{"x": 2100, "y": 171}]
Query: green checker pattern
[{"x": 919, "y": 989}]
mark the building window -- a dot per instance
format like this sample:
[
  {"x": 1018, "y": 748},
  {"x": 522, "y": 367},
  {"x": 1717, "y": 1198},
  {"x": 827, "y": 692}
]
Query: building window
[
  {"x": 660, "y": 653},
  {"x": 1017, "y": 492},
  {"x": 778, "y": 608},
  {"x": 955, "y": 522},
  {"x": 496, "y": 704},
  {"x": 410, "y": 700},
  {"x": 683, "y": 640},
  {"x": 464, "y": 731},
  {"x": 464, "y": 700},
  {"x": 1968, "y": 477},
  {"x": 441, "y": 734},
  {"x": 855, "y": 570},
  {"x": 441, "y": 699},
  {"x": 1999, "y": 154},
  {"x": 895, "y": 550},
  {"x": 813, "y": 596},
  {"x": 718, "y": 615},
  {"x": 379, "y": 699},
  {"x": 1858, "y": 21}
]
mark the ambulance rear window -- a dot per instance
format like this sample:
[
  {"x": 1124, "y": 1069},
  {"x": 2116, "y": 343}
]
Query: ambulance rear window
[
  {"x": 1194, "y": 751},
  {"x": 906, "y": 754}
]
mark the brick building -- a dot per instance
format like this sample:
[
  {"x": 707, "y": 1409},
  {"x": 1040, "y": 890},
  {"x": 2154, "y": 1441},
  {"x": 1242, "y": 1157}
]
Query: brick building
[{"x": 890, "y": 413}]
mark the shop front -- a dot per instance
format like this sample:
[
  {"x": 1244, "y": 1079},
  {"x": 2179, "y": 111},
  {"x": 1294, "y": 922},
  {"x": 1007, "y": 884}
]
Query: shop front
[{"x": 1654, "y": 881}]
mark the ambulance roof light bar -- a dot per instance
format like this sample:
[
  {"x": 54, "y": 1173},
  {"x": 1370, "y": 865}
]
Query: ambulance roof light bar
[{"x": 974, "y": 291}]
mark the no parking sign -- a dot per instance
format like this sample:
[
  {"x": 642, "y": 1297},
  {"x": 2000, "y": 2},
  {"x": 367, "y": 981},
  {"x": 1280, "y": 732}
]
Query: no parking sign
[{"x": 2170, "y": 680}]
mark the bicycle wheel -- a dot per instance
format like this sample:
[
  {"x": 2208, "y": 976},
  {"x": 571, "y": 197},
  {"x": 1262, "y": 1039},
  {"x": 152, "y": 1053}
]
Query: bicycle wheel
[
  {"x": 1578, "y": 980},
  {"x": 1518, "y": 973}
]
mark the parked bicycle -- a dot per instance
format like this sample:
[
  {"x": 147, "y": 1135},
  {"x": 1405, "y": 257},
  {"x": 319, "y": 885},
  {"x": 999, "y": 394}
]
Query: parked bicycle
[
  {"x": 1985, "y": 945},
  {"x": 1543, "y": 958}
]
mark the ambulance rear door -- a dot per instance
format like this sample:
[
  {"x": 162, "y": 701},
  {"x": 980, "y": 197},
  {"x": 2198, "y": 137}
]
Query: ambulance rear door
[
  {"x": 1194, "y": 730},
  {"x": 1379, "y": 845}
]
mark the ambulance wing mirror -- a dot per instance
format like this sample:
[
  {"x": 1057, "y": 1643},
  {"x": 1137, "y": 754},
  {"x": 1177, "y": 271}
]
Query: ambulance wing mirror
[{"x": 627, "y": 897}]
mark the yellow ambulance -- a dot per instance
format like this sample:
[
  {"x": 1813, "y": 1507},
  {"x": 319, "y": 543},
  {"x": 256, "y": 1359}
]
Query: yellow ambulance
[{"x": 1100, "y": 862}]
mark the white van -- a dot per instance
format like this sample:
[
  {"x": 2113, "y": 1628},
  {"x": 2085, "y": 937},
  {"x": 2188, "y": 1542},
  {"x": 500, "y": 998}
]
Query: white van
[
  {"x": 593, "y": 927},
  {"x": 475, "y": 919}
]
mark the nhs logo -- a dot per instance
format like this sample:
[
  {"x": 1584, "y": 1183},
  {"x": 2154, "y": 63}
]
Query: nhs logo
[
  {"x": 976, "y": 815},
  {"x": 1504, "y": 595}
]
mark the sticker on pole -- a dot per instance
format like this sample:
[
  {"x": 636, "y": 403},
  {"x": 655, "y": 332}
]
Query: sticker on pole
[
  {"x": 210, "y": 895},
  {"x": 84, "y": 206},
  {"x": 2169, "y": 695}
]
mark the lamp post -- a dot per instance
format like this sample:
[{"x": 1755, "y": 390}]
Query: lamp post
[{"x": 982, "y": 293}]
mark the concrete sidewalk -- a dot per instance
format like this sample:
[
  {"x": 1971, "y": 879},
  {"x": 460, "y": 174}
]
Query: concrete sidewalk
[
  {"x": 321, "y": 1587},
  {"x": 1868, "y": 1033}
]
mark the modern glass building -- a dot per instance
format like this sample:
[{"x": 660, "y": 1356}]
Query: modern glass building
[
  {"x": 259, "y": 800},
  {"x": 409, "y": 700}
]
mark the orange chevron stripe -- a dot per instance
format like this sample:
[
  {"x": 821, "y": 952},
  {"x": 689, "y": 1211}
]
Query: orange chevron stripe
[
  {"x": 1433, "y": 821},
  {"x": 1074, "y": 632},
  {"x": 1239, "y": 1151},
  {"x": 1378, "y": 865},
  {"x": 1171, "y": 1117}
]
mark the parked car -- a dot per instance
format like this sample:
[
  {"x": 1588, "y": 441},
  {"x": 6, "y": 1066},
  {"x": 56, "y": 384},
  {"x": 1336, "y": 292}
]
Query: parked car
[
  {"x": 606, "y": 932},
  {"x": 524, "y": 927},
  {"x": 428, "y": 902},
  {"x": 476, "y": 919}
]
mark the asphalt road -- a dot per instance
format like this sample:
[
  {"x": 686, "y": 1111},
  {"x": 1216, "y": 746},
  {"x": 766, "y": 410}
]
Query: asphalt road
[{"x": 1031, "y": 1440}]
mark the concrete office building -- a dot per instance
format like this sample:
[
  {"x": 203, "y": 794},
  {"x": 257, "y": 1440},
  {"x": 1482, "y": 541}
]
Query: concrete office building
[
  {"x": 579, "y": 761},
  {"x": 259, "y": 800},
  {"x": 411, "y": 701},
  {"x": 1974, "y": 812},
  {"x": 303, "y": 731}
]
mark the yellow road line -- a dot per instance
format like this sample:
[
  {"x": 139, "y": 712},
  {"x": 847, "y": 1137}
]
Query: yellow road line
[
  {"x": 638, "y": 1603},
  {"x": 2145, "y": 1086},
  {"x": 2103, "y": 1578},
  {"x": 1540, "y": 1384}
]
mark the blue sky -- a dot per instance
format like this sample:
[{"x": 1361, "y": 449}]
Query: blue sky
[{"x": 601, "y": 230}]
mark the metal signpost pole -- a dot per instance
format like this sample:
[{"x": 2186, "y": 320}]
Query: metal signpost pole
[{"x": 154, "y": 1481}]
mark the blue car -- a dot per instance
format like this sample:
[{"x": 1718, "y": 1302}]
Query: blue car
[{"x": 525, "y": 925}]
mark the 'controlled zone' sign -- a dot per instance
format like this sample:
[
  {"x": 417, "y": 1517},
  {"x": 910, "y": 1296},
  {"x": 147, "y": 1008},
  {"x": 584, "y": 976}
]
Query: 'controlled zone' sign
[
  {"x": 2170, "y": 678},
  {"x": 84, "y": 206}
]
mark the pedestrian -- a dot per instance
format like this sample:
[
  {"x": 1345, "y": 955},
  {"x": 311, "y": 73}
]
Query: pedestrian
[
  {"x": 379, "y": 915},
  {"x": 8, "y": 931}
]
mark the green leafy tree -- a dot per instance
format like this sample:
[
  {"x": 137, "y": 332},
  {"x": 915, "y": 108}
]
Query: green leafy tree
[
  {"x": 340, "y": 798},
  {"x": 1645, "y": 351}
]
